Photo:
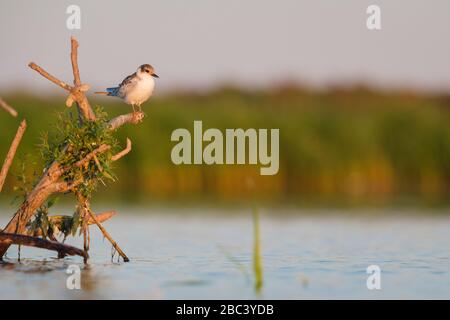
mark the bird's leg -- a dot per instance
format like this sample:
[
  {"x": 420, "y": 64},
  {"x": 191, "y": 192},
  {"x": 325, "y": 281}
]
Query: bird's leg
[
  {"x": 134, "y": 110},
  {"x": 139, "y": 108}
]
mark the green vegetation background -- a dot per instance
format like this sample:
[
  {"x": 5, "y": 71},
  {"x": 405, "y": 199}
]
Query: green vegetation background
[{"x": 339, "y": 146}]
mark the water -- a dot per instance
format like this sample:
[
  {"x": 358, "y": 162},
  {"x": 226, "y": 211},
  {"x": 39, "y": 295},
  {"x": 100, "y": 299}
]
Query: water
[{"x": 208, "y": 255}]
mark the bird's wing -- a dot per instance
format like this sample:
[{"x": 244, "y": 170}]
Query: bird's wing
[
  {"x": 128, "y": 80},
  {"x": 128, "y": 83}
]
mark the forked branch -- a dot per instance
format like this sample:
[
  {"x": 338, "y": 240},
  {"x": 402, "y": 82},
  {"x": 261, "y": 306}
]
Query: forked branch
[{"x": 77, "y": 91}]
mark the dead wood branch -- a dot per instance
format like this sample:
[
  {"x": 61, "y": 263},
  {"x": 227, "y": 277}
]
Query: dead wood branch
[
  {"x": 8, "y": 108},
  {"x": 107, "y": 236},
  {"x": 50, "y": 182},
  {"x": 85, "y": 205},
  {"x": 11, "y": 153},
  {"x": 123, "y": 152},
  {"x": 103, "y": 216},
  {"x": 133, "y": 118},
  {"x": 63, "y": 187},
  {"x": 47, "y": 75},
  {"x": 74, "y": 60},
  {"x": 43, "y": 189},
  {"x": 35, "y": 199},
  {"x": 76, "y": 91},
  {"x": 62, "y": 249},
  {"x": 91, "y": 155}
]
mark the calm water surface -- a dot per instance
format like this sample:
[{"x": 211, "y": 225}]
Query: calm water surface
[{"x": 208, "y": 255}]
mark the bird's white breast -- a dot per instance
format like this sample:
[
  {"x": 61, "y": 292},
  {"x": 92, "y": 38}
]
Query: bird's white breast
[{"x": 141, "y": 92}]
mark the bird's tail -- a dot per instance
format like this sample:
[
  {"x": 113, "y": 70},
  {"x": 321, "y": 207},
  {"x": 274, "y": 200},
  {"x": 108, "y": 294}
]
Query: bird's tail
[{"x": 109, "y": 92}]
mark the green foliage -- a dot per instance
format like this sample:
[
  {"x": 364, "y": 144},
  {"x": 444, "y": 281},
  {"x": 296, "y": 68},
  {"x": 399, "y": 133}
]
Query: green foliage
[
  {"x": 51, "y": 226},
  {"x": 24, "y": 182},
  {"x": 72, "y": 142}
]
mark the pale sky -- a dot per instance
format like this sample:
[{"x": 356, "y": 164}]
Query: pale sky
[{"x": 200, "y": 44}]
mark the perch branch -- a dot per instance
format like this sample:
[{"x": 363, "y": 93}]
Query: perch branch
[
  {"x": 62, "y": 249},
  {"x": 133, "y": 118},
  {"x": 47, "y": 75},
  {"x": 123, "y": 152},
  {"x": 8, "y": 108},
  {"x": 12, "y": 151}
]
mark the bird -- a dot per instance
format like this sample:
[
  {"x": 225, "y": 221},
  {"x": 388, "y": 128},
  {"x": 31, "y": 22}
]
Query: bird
[{"x": 136, "y": 88}]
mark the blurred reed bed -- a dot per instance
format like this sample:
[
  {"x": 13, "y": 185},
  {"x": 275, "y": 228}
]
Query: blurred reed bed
[{"x": 350, "y": 146}]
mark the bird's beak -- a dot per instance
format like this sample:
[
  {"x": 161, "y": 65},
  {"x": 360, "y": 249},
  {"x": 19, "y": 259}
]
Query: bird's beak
[{"x": 155, "y": 75}]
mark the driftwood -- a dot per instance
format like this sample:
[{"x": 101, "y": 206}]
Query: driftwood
[
  {"x": 51, "y": 181},
  {"x": 11, "y": 153},
  {"x": 8, "y": 108},
  {"x": 62, "y": 249}
]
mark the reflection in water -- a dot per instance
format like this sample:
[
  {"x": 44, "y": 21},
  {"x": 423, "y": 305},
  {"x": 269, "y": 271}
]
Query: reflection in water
[{"x": 198, "y": 256}]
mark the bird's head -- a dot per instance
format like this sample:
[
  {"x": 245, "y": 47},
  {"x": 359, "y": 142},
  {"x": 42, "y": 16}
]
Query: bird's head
[{"x": 146, "y": 70}]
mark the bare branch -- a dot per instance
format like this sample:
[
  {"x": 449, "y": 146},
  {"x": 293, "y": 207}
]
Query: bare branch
[
  {"x": 74, "y": 60},
  {"x": 47, "y": 75},
  {"x": 85, "y": 205},
  {"x": 108, "y": 236},
  {"x": 123, "y": 152},
  {"x": 12, "y": 151},
  {"x": 64, "y": 186},
  {"x": 79, "y": 89},
  {"x": 89, "y": 156},
  {"x": 58, "y": 171},
  {"x": 132, "y": 118},
  {"x": 103, "y": 216},
  {"x": 41, "y": 191},
  {"x": 62, "y": 249},
  {"x": 8, "y": 108}
]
